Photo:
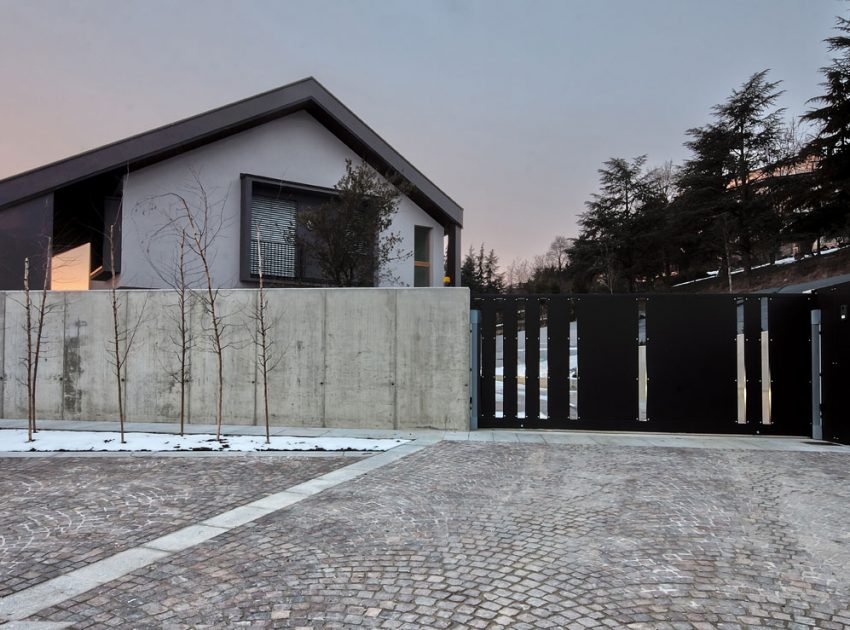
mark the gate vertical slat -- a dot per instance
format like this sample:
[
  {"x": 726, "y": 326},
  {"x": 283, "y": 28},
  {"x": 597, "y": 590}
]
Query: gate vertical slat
[
  {"x": 752, "y": 358},
  {"x": 558, "y": 353},
  {"x": 608, "y": 363},
  {"x": 509, "y": 359},
  {"x": 789, "y": 320},
  {"x": 532, "y": 358},
  {"x": 488, "y": 361},
  {"x": 691, "y": 363}
]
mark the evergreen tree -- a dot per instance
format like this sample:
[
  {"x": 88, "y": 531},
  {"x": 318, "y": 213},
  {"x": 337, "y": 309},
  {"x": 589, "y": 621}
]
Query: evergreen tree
[
  {"x": 830, "y": 188},
  {"x": 480, "y": 272},
  {"x": 468, "y": 276},
  {"x": 725, "y": 191},
  {"x": 606, "y": 247},
  {"x": 350, "y": 236},
  {"x": 494, "y": 282}
]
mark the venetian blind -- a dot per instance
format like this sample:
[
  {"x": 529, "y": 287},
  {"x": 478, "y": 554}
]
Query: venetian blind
[{"x": 275, "y": 220}]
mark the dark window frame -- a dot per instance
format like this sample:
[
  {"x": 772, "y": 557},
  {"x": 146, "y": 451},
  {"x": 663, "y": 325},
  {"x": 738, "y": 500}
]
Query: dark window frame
[
  {"x": 296, "y": 191},
  {"x": 427, "y": 230}
]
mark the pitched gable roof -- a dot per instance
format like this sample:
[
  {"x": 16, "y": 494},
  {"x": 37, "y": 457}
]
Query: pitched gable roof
[{"x": 165, "y": 142}]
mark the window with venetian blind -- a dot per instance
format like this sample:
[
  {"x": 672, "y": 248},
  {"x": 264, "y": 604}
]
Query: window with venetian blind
[{"x": 273, "y": 222}]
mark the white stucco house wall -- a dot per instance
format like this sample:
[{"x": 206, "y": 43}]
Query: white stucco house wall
[{"x": 272, "y": 153}]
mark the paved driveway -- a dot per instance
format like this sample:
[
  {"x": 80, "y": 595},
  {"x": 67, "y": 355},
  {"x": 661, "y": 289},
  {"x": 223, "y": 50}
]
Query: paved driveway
[
  {"x": 493, "y": 535},
  {"x": 62, "y": 513}
]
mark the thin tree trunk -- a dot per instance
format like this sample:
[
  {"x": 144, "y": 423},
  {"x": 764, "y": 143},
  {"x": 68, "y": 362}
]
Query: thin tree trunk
[
  {"x": 183, "y": 330},
  {"x": 261, "y": 317},
  {"x": 27, "y": 304},
  {"x": 116, "y": 332},
  {"x": 200, "y": 238},
  {"x": 42, "y": 311}
]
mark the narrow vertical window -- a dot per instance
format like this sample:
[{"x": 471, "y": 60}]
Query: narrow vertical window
[
  {"x": 422, "y": 256},
  {"x": 69, "y": 270},
  {"x": 273, "y": 225}
]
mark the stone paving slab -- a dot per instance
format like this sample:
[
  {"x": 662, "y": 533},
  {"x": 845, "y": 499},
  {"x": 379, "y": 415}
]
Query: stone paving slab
[
  {"x": 60, "y": 514},
  {"x": 488, "y": 535}
]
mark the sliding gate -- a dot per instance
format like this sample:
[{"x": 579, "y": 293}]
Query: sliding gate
[{"x": 682, "y": 363}]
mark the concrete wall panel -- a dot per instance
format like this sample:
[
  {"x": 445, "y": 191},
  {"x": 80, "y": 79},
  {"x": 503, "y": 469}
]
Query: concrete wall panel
[
  {"x": 14, "y": 352},
  {"x": 296, "y": 389},
  {"x": 366, "y": 358},
  {"x": 432, "y": 330},
  {"x": 153, "y": 393},
  {"x": 89, "y": 381},
  {"x": 360, "y": 357},
  {"x": 50, "y": 369},
  {"x": 236, "y": 308}
]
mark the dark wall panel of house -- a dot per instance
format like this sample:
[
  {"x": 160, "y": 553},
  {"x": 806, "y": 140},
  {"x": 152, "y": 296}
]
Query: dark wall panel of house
[
  {"x": 24, "y": 233},
  {"x": 692, "y": 363},
  {"x": 607, "y": 330},
  {"x": 789, "y": 326},
  {"x": 834, "y": 303}
]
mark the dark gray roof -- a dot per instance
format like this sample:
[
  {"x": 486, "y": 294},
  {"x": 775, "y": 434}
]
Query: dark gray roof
[{"x": 159, "y": 144}]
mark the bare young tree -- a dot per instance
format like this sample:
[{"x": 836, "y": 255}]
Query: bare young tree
[
  {"x": 267, "y": 358},
  {"x": 200, "y": 225},
  {"x": 123, "y": 333},
  {"x": 189, "y": 222},
  {"x": 183, "y": 341},
  {"x": 180, "y": 272},
  {"x": 34, "y": 328},
  {"x": 558, "y": 253},
  {"x": 518, "y": 273}
]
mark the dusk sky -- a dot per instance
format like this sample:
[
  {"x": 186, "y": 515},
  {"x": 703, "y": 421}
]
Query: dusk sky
[{"x": 509, "y": 107}]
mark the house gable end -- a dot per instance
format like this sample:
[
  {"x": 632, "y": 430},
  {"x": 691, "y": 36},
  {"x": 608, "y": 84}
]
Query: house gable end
[{"x": 171, "y": 140}]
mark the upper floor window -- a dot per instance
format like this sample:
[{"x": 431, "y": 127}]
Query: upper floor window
[
  {"x": 273, "y": 223},
  {"x": 270, "y": 226},
  {"x": 421, "y": 256}
]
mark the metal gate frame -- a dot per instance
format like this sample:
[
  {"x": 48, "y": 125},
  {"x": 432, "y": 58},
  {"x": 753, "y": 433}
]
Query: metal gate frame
[{"x": 662, "y": 377}]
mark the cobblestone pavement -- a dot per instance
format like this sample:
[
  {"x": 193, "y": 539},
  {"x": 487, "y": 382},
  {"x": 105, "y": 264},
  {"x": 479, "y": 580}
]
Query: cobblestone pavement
[
  {"x": 59, "y": 514},
  {"x": 492, "y": 536}
]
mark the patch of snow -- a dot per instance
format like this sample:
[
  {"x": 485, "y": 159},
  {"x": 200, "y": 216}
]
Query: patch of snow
[
  {"x": 15, "y": 440},
  {"x": 782, "y": 261}
]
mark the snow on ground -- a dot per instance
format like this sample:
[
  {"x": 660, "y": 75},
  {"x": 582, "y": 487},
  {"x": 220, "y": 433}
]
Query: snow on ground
[
  {"x": 782, "y": 261},
  {"x": 46, "y": 441}
]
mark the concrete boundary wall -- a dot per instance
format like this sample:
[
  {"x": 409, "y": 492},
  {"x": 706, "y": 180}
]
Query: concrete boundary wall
[{"x": 355, "y": 358}]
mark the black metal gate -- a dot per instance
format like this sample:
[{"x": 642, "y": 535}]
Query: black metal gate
[
  {"x": 834, "y": 303},
  {"x": 683, "y": 363}
]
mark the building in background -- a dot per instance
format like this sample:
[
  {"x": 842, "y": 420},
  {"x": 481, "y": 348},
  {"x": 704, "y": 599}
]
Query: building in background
[{"x": 259, "y": 159}]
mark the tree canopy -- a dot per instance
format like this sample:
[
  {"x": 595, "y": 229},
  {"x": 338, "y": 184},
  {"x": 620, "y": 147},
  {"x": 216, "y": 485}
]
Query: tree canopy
[{"x": 349, "y": 236}]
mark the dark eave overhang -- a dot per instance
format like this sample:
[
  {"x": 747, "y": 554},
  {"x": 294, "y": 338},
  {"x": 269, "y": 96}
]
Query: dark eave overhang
[{"x": 165, "y": 142}]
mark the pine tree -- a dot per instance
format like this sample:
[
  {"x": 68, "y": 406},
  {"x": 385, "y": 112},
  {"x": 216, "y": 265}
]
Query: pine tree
[
  {"x": 831, "y": 146},
  {"x": 605, "y": 246},
  {"x": 480, "y": 272},
  {"x": 725, "y": 194}
]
